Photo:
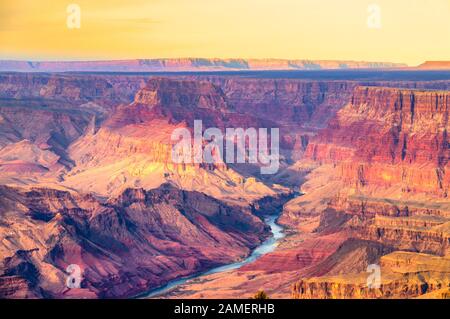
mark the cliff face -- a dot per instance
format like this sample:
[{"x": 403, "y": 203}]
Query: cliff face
[
  {"x": 173, "y": 100},
  {"x": 404, "y": 226},
  {"x": 387, "y": 137},
  {"x": 128, "y": 245},
  {"x": 182, "y": 93},
  {"x": 382, "y": 179},
  {"x": 409, "y": 241},
  {"x": 410, "y": 126},
  {"x": 69, "y": 89},
  {"x": 404, "y": 275},
  {"x": 300, "y": 104},
  {"x": 299, "y": 107}
]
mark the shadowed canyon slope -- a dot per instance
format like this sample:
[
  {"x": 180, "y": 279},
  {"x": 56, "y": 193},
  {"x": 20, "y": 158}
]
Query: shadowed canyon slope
[
  {"x": 130, "y": 244},
  {"x": 85, "y": 160}
]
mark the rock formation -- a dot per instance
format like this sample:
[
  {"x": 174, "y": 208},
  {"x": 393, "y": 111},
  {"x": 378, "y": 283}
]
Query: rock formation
[
  {"x": 86, "y": 178},
  {"x": 188, "y": 64},
  {"x": 124, "y": 246},
  {"x": 386, "y": 156}
]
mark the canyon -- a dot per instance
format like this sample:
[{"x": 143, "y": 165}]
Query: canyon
[
  {"x": 118, "y": 244},
  {"x": 87, "y": 179}
]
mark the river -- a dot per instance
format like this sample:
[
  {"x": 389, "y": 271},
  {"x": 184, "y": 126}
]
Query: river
[{"x": 266, "y": 247}]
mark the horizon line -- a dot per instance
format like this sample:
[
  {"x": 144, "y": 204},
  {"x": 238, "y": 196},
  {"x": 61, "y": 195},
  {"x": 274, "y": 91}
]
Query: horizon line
[{"x": 205, "y": 58}]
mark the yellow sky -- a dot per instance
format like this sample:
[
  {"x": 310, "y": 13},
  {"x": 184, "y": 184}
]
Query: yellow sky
[{"x": 411, "y": 30}]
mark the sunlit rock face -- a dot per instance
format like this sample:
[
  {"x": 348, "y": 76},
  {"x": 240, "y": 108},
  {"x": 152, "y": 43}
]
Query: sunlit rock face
[
  {"x": 385, "y": 156},
  {"x": 389, "y": 137}
]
